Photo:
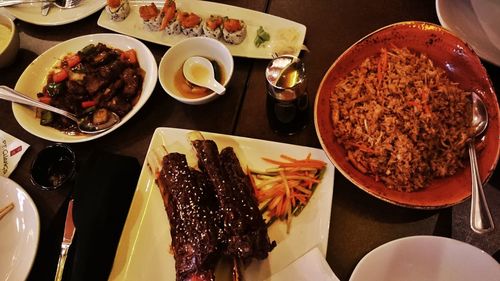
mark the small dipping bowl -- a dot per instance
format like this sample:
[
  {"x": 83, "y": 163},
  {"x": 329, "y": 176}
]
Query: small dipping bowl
[
  {"x": 53, "y": 166},
  {"x": 173, "y": 60},
  {"x": 9, "y": 41}
]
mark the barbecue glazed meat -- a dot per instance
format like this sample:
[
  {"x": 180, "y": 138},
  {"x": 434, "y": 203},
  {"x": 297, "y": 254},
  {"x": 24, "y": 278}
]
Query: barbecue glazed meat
[
  {"x": 244, "y": 227},
  {"x": 251, "y": 230},
  {"x": 189, "y": 208}
]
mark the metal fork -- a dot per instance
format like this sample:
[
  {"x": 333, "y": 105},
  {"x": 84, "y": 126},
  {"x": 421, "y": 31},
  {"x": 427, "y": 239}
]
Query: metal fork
[
  {"x": 63, "y": 4},
  {"x": 66, "y": 4}
]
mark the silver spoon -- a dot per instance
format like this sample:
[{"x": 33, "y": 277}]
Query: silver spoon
[
  {"x": 83, "y": 124},
  {"x": 480, "y": 216},
  {"x": 200, "y": 71}
]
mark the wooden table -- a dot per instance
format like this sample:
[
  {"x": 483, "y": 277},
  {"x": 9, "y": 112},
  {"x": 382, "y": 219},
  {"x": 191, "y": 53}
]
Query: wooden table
[{"x": 359, "y": 222}]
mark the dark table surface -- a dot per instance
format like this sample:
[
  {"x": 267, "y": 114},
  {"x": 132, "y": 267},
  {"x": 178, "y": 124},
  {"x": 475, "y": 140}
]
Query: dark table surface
[{"x": 359, "y": 222}]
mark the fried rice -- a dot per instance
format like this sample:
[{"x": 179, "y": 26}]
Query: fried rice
[{"x": 401, "y": 119}]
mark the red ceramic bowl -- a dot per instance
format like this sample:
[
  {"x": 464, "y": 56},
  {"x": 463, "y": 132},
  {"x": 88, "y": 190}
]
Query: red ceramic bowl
[{"x": 461, "y": 64}]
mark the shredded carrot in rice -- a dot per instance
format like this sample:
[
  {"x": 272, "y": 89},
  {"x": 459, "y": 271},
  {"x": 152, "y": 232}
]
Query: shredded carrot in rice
[{"x": 401, "y": 120}]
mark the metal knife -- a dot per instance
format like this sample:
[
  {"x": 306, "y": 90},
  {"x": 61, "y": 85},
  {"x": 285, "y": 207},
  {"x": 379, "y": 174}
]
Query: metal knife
[
  {"x": 46, "y": 7},
  {"x": 69, "y": 232}
]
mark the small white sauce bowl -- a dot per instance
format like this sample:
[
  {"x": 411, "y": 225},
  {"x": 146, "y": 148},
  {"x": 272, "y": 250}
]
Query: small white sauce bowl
[
  {"x": 174, "y": 58},
  {"x": 9, "y": 52}
]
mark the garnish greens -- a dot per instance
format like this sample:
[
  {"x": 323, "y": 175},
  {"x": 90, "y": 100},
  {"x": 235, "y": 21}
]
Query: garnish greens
[{"x": 262, "y": 37}]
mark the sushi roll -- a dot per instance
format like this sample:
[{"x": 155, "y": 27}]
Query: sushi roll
[
  {"x": 151, "y": 16},
  {"x": 234, "y": 31},
  {"x": 118, "y": 10},
  {"x": 191, "y": 24},
  {"x": 212, "y": 27},
  {"x": 170, "y": 23}
]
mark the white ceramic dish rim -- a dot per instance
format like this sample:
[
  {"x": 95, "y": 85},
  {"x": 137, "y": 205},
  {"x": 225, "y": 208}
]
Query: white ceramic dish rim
[
  {"x": 31, "y": 13},
  {"x": 12, "y": 28},
  {"x": 375, "y": 257},
  {"x": 6, "y": 183},
  {"x": 182, "y": 47},
  {"x": 481, "y": 44}
]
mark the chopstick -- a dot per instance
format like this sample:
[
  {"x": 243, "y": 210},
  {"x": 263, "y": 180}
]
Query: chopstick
[{"x": 6, "y": 209}]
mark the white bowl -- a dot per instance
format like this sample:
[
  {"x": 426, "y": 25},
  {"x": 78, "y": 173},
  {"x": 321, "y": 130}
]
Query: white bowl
[
  {"x": 9, "y": 51},
  {"x": 35, "y": 75},
  {"x": 174, "y": 58}
]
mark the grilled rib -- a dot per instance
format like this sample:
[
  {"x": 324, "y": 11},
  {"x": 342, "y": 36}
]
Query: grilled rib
[
  {"x": 244, "y": 227},
  {"x": 189, "y": 209},
  {"x": 253, "y": 235}
]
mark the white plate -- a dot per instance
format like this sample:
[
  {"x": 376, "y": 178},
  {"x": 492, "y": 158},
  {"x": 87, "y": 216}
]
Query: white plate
[
  {"x": 31, "y": 12},
  {"x": 34, "y": 78},
  {"x": 420, "y": 258},
  {"x": 144, "y": 248},
  {"x": 279, "y": 29},
  {"x": 19, "y": 232},
  {"x": 476, "y": 21}
]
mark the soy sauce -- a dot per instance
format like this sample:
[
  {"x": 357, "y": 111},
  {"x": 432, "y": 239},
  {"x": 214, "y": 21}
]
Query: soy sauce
[
  {"x": 53, "y": 166},
  {"x": 287, "y": 103},
  {"x": 287, "y": 116}
]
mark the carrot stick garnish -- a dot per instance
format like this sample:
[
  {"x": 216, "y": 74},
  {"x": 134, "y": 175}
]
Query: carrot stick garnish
[{"x": 286, "y": 188}]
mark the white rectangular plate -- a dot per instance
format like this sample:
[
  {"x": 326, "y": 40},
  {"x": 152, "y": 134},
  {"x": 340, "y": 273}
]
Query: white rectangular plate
[
  {"x": 144, "y": 249},
  {"x": 286, "y": 36}
]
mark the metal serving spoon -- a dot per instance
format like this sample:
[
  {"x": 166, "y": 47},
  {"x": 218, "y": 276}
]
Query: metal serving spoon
[
  {"x": 480, "y": 216},
  {"x": 84, "y": 126},
  {"x": 200, "y": 71}
]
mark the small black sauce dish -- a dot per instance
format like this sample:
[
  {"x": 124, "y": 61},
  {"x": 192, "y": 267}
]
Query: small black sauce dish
[{"x": 53, "y": 166}]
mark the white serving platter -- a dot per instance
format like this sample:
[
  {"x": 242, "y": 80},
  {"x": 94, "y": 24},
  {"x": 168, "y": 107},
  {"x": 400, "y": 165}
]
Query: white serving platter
[
  {"x": 144, "y": 248},
  {"x": 286, "y": 36}
]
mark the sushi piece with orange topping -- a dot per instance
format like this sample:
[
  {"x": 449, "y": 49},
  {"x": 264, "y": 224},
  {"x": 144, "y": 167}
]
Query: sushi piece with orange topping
[
  {"x": 212, "y": 27},
  {"x": 234, "y": 31},
  {"x": 191, "y": 24},
  {"x": 117, "y": 10},
  {"x": 170, "y": 23},
  {"x": 151, "y": 16}
]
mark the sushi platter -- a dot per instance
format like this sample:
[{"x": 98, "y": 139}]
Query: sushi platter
[{"x": 285, "y": 36}]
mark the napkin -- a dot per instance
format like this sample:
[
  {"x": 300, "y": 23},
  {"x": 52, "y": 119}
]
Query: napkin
[
  {"x": 310, "y": 267},
  {"x": 102, "y": 195}
]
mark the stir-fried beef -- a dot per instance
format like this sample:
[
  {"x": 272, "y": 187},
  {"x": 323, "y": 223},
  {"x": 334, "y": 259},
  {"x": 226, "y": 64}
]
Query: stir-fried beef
[
  {"x": 244, "y": 228},
  {"x": 75, "y": 88},
  {"x": 96, "y": 77},
  {"x": 112, "y": 70},
  {"x": 189, "y": 207},
  {"x": 119, "y": 106},
  {"x": 93, "y": 82},
  {"x": 131, "y": 81}
]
